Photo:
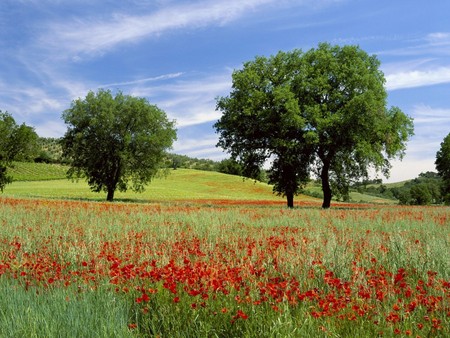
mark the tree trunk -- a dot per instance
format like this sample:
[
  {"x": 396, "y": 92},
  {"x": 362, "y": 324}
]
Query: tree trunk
[
  {"x": 324, "y": 175},
  {"x": 110, "y": 195},
  {"x": 112, "y": 185},
  {"x": 290, "y": 199}
]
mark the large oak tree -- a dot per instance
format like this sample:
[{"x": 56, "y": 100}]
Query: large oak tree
[
  {"x": 323, "y": 112},
  {"x": 115, "y": 142}
]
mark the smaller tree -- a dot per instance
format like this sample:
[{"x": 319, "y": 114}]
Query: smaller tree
[
  {"x": 17, "y": 143},
  {"x": 420, "y": 194},
  {"x": 443, "y": 167},
  {"x": 115, "y": 142},
  {"x": 230, "y": 166}
]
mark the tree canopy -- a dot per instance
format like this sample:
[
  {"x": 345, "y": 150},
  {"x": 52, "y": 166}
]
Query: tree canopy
[
  {"x": 319, "y": 112},
  {"x": 443, "y": 167},
  {"x": 17, "y": 143},
  {"x": 115, "y": 142}
]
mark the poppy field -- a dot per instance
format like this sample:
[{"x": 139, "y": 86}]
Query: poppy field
[{"x": 222, "y": 269}]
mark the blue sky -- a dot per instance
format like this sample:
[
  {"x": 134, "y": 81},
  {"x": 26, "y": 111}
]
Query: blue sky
[{"x": 180, "y": 55}]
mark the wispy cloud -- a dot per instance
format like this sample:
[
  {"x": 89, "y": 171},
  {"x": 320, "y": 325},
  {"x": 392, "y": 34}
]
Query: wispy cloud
[
  {"x": 432, "y": 121},
  {"x": 429, "y": 64},
  {"x": 204, "y": 147},
  {"x": 417, "y": 78},
  {"x": 97, "y": 35},
  {"x": 141, "y": 81},
  {"x": 189, "y": 101},
  {"x": 439, "y": 39},
  {"x": 25, "y": 100},
  {"x": 430, "y": 128}
]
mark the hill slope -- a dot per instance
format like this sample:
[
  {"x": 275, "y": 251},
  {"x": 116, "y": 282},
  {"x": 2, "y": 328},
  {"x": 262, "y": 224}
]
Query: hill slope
[
  {"x": 28, "y": 171},
  {"x": 46, "y": 180},
  {"x": 49, "y": 181}
]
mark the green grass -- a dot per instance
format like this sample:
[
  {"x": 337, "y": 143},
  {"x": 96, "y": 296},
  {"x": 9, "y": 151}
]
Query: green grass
[
  {"x": 180, "y": 184},
  {"x": 61, "y": 313},
  {"x": 99, "y": 256},
  {"x": 316, "y": 190},
  {"x": 28, "y": 171},
  {"x": 49, "y": 181}
]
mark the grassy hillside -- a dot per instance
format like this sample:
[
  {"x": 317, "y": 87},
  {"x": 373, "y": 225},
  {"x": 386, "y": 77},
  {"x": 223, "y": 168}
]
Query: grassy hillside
[
  {"x": 315, "y": 189},
  {"x": 28, "y": 171},
  {"x": 49, "y": 180},
  {"x": 180, "y": 184}
]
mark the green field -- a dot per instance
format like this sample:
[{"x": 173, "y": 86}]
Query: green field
[
  {"x": 29, "y": 171},
  {"x": 49, "y": 181},
  {"x": 95, "y": 269},
  {"x": 180, "y": 184},
  {"x": 204, "y": 254}
]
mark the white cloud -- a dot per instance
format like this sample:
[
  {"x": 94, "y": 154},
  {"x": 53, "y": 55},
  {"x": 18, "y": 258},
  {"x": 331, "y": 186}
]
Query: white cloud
[
  {"x": 430, "y": 66},
  {"x": 409, "y": 169},
  {"x": 189, "y": 102},
  {"x": 417, "y": 78},
  {"x": 196, "y": 144},
  {"x": 439, "y": 39},
  {"x": 50, "y": 128},
  {"x": 24, "y": 100},
  {"x": 431, "y": 126},
  {"x": 139, "y": 81},
  {"x": 96, "y": 35},
  {"x": 427, "y": 115}
]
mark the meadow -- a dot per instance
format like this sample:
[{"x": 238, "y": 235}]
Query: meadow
[{"x": 218, "y": 267}]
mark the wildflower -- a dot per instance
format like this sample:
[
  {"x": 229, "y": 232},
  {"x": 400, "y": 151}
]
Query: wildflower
[
  {"x": 393, "y": 318},
  {"x": 239, "y": 314},
  {"x": 144, "y": 298}
]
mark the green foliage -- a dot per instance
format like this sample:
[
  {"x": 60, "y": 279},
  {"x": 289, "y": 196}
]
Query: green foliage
[
  {"x": 261, "y": 120},
  {"x": 230, "y": 166},
  {"x": 423, "y": 190},
  {"x": 115, "y": 142},
  {"x": 17, "y": 143},
  {"x": 50, "y": 150},
  {"x": 443, "y": 167},
  {"x": 322, "y": 112},
  {"x": 176, "y": 161}
]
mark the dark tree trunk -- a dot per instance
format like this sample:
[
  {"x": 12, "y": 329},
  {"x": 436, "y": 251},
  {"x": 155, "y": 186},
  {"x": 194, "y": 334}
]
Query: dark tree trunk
[
  {"x": 110, "y": 195},
  {"x": 290, "y": 199},
  {"x": 112, "y": 185},
  {"x": 325, "y": 176}
]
